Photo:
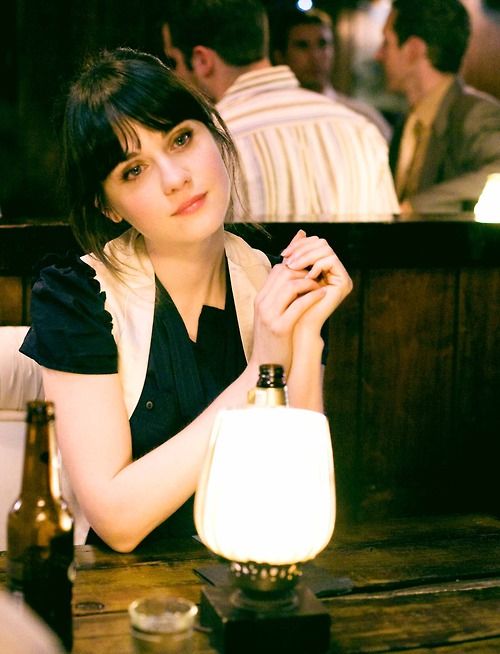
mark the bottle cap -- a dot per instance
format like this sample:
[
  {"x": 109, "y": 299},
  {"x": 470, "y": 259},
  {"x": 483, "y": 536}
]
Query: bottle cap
[{"x": 271, "y": 375}]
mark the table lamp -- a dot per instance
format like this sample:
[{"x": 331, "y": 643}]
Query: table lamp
[
  {"x": 487, "y": 209},
  {"x": 265, "y": 502}
]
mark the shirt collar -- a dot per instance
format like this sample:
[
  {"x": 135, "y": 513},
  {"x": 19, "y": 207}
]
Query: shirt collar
[
  {"x": 257, "y": 81},
  {"x": 428, "y": 107}
]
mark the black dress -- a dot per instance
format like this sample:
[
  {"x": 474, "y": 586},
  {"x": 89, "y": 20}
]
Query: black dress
[{"x": 71, "y": 331}]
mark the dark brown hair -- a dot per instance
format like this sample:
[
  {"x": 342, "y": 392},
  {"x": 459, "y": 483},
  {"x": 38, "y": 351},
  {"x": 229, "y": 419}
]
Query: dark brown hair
[
  {"x": 443, "y": 25},
  {"x": 114, "y": 89},
  {"x": 237, "y": 30}
]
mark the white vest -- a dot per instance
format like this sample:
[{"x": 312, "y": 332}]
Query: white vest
[{"x": 130, "y": 299}]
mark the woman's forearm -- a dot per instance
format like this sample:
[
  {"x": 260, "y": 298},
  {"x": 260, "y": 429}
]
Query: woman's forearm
[
  {"x": 124, "y": 500},
  {"x": 305, "y": 377}
]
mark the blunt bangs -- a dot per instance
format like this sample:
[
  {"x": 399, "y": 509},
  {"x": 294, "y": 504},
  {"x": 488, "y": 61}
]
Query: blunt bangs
[{"x": 150, "y": 96}]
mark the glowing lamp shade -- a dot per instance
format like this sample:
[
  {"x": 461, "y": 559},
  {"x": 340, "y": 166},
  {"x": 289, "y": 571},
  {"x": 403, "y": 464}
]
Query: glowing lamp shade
[
  {"x": 487, "y": 209},
  {"x": 266, "y": 493}
]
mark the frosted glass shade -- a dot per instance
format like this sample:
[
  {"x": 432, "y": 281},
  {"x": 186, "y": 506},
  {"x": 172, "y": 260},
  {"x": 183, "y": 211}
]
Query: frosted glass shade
[
  {"x": 266, "y": 492},
  {"x": 487, "y": 209}
]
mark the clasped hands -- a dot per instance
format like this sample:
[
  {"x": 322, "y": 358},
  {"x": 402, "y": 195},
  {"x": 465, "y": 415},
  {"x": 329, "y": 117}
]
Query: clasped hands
[{"x": 298, "y": 296}]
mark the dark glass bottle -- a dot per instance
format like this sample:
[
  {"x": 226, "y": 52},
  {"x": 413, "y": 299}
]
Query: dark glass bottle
[
  {"x": 271, "y": 387},
  {"x": 40, "y": 568}
]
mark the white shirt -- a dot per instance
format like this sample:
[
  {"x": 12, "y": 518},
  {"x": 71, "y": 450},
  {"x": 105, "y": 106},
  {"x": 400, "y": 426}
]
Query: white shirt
[
  {"x": 363, "y": 108},
  {"x": 305, "y": 157}
]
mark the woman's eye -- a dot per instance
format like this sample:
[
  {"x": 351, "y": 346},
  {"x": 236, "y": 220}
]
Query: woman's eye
[
  {"x": 135, "y": 171},
  {"x": 183, "y": 138}
]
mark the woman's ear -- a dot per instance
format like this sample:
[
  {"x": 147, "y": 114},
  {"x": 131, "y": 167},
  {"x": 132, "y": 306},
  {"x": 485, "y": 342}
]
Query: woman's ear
[{"x": 107, "y": 211}]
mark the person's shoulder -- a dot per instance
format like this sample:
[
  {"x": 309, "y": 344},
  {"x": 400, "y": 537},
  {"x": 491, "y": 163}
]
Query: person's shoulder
[
  {"x": 464, "y": 97},
  {"x": 274, "y": 89},
  {"x": 239, "y": 252},
  {"x": 468, "y": 111},
  {"x": 66, "y": 286},
  {"x": 322, "y": 108},
  {"x": 65, "y": 275},
  {"x": 297, "y": 107},
  {"x": 369, "y": 112},
  {"x": 71, "y": 328},
  {"x": 479, "y": 96}
]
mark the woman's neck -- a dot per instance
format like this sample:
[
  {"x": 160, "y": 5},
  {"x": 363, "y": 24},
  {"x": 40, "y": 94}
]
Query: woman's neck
[{"x": 194, "y": 277}]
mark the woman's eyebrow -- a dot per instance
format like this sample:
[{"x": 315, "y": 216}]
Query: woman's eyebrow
[{"x": 130, "y": 155}]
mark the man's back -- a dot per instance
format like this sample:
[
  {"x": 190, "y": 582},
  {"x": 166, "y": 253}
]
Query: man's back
[{"x": 305, "y": 157}]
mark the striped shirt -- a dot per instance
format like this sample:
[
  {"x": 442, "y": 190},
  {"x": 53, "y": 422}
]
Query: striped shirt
[{"x": 305, "y": 157}]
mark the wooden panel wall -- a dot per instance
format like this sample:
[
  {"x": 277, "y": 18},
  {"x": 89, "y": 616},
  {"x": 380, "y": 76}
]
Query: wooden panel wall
[
  {"x": 342, "y": 377},
  {"x": 412, "y": 390},
  {"x": 12, "y": 301},
  {"x": 477, "y": 390}
]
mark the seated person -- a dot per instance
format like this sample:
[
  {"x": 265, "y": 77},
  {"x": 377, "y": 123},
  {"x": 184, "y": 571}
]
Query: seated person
[{"x": 148, "y": 335}]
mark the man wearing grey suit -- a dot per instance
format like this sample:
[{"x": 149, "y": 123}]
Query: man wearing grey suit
[{"x": 450, "y": 140}]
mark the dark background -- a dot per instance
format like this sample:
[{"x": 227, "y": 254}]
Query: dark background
[
  {"x": 44, "y": 42},
  {"x": 42, "y": 46}
]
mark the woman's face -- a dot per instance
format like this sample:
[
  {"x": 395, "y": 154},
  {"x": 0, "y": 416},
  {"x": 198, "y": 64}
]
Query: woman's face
[{"x": 173, "y": 186}]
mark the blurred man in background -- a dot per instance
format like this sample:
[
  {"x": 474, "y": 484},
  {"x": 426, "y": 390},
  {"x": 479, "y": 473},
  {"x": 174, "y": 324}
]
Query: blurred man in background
[
  {"x": 303, "y": 156},
  {"x": 303, "y": 40},
  {"x": 450, "y": 140}
]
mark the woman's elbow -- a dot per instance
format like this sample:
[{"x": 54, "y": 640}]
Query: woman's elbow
[
  {"x": 122, "y": 534},
  {"x": 122, "y": 541},
  {"x": 124, "y": 547}
]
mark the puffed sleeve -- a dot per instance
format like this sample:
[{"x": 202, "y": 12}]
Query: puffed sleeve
[{"x": 70, "y": 328}]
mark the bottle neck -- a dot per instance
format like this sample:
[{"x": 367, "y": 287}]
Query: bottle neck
[
  {"x": 271, "y": 390},
  {"x": 269, "y": 397},
  {"x": 41, "y": 474}
]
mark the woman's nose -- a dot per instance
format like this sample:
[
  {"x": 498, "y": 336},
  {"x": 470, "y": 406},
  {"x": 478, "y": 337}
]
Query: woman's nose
[{"x": 174, "y": 176}]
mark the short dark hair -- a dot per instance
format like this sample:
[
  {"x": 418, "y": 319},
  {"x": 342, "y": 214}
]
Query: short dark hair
[
  {"x": 114, "y": 89},
  {"x": 236, "y": 29},
  {"x": 444, "y": 25},
  {"x": 282, "y": 21}
]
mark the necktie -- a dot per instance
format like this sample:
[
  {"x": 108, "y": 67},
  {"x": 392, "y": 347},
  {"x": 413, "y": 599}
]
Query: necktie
[{"x": 411, "y": 158}]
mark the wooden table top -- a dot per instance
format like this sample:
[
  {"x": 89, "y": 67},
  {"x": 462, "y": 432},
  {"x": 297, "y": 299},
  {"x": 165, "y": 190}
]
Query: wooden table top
[{"x": 418, "y": 585}]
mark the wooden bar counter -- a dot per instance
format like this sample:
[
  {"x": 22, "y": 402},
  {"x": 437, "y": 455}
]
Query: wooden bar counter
[{"x": 413, "y": 585}]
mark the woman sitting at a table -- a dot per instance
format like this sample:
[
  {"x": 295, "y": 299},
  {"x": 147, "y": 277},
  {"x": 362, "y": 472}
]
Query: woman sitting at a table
[{"x": 142, "y": 341}]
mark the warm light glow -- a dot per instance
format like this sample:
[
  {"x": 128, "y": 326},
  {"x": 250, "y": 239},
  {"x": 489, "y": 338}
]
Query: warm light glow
[
  {"x": 487, "y": 209},
  {"x": 304, "y": 5},
  {"x": 266, "y": 492}
]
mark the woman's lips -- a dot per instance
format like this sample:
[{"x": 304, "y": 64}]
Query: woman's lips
[{"x": 191, "y": 205}]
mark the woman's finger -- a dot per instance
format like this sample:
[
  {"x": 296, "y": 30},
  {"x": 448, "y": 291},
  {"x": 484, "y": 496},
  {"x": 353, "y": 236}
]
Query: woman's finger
[
  {"x": 326, "y": 267},
  {"x": 301, "y": 305},
  {"x": 272, "y": 304},
  {"x": 298, "y": 236},
  {"x": 306, "y": 253}
]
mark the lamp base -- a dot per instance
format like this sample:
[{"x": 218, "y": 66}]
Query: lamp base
[{"x": 303, "y": 628}]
